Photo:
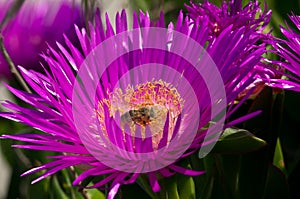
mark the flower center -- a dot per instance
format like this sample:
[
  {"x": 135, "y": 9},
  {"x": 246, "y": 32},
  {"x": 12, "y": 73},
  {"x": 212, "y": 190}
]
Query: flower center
[{"x": 145, "y": 106}]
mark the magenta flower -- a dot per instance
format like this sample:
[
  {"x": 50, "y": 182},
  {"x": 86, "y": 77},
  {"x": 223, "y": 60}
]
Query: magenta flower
[
  {"x": 232, "y": 16},
  {"x": 134, "y": 101},
  {"x": 292, "y": 51},
  {"x": 36, "y": 24},
  {"x": 250, "y": 16},
  {"x": 289, "y": 51}
]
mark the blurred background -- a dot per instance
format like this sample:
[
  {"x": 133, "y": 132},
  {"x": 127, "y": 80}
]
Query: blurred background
[{"x": 20, "y": 31}]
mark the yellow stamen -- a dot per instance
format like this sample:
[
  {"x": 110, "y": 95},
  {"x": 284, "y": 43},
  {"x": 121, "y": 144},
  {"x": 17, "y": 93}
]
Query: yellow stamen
[{"x": 145, "y": 105}]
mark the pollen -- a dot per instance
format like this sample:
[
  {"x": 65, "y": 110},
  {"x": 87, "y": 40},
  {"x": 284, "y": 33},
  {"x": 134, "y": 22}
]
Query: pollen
[{"x": 145, "y": 105}]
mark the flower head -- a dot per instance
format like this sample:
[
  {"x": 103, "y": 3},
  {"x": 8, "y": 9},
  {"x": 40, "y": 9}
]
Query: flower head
[
  {"x": 133, "y": 101},
  {"x": 289, "y": 49},
  {"x": 249, "y": 18},
  {"x": 35, "y": 25},
  {"x": 231, "y": 13}
]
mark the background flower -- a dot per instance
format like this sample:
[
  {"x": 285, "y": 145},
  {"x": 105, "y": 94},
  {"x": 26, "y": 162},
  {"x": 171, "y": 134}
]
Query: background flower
[
  {"x": 35, "y": 25},
  {"x": 289, "y": 49},
  {"x": 250, "y": 16}
]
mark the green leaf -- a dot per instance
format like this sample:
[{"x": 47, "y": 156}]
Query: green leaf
[
  {"x": 66, "y": 181},
  {"x": 40, "y": 189},
  {"x": 95, "y": 194},
  {"x": 237, "y": 141},
  {"x": 57, "y": 190},
  {"x": 186, "y": 184},
  {"x": 143, "y": 5},
  {"x": 277, "y": 185},
  {"x": 186, "y": 187},
  {"x": 278, "y": 157},
  {"x": 229, "y": 172},
  {"x": 204, "y": 184},
  {"x": 170, "y": 187}
]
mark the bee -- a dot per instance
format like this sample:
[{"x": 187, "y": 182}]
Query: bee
[
  {"x": 153, "y": 116},
  {"x": 144, "y": 115}
]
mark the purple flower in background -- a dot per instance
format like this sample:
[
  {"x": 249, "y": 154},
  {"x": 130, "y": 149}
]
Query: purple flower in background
[
  {"x": 292, "y": 51},
  {"x": 231, "y": 14},
  {"x": 289, "y": 51},
  {"x": 144, "y": 101},
  {"x": 37, "y": 23},
  {"x": 249, "y": 18}
]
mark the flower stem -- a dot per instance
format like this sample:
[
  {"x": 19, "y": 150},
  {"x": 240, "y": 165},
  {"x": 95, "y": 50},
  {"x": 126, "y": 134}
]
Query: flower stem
[
  {"x": 12, "y": 66},
  {"x": 10, "y": 13}
]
